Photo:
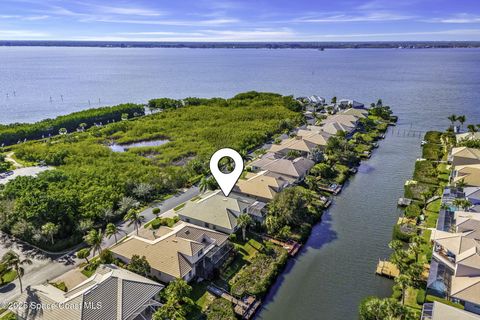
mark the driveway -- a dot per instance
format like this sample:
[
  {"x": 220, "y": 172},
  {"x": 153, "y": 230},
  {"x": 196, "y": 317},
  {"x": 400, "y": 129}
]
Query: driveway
[{"x": 45, "y": 268}]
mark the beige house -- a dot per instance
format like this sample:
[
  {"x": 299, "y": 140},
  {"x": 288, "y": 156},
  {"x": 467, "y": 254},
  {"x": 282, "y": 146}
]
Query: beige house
[
  {"x": 184, "y": 251},
  {"x": 359, "y": 113},
  {"x": 333, "y": 128},
  {"x": 215, "y": 211},
  {"x": 347, "y": 120},
  {"x": 467, "y": 136},
  {"x": 306, "y": 148},
  {"x": 460, "y": 252},
  {"x": 463, "y": 156},
  {"x": 469, "y": 174},
  {"x": 297, "y": 168},
  {"x": 112, "y": 293},
  {"x": 441, "y": 311},
  {"x": 262, "y": 186}
]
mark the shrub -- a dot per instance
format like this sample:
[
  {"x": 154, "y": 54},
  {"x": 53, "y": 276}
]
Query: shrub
[
  {"x": 220, "y": 309},
  {"x": 106, "y": 257},
  {"x": 430, "y": 298},
  {"x": 413, "y": 211},
  {"x": 404, "y": 232},
  {"x": 396, "y": 292},
  {"x": 232, "y": 237},
  {"x": 420, "y": 296}
]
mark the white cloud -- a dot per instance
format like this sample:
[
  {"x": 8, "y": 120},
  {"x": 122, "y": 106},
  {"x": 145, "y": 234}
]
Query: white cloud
[
  {"x": 22, "y": 34},
  {"x": 168, "y": 22},
  {"x": 368, "y": 17},
  {"x": 457, "y": 18}
]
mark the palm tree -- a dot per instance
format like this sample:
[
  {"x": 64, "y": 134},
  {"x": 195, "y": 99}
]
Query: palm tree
[
  {"x": 244, "y": 220},
  {"x": 49, "y": 230},
  {"x": 13, "y": 260},
  {"x": 245, "y": 155},
  {"x": 462, "y": 120},
  {"x": 94, "y": 239},
  {"x": 134, "y": 217},
  {"x": 472, "y": 128},
  {"x": 452, "y": 119},
  {"x": 403, "y": 281},
  {"x": 111, "y": 230},
  {"x": 203, "y": 184},
  {"x": 415, "y": 246}
]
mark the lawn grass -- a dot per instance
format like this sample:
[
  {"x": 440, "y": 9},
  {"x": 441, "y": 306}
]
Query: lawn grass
[
  {"x": 180, "y": 206},
  {"x": 432, "y": 211},
  {"x": 411, "y": 298},
  {"x": 202, "y": 299}
]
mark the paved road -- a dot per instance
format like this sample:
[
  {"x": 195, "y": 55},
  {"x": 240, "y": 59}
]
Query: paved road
[{"x": 45, "y": 268}]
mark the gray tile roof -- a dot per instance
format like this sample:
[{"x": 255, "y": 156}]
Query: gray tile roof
[{"x": 111, "y": 294}]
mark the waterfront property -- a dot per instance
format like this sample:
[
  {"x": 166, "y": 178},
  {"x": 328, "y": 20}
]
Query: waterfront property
[
  {"x": 467, "y": 136},
  {"x": 215, "y": 211},
  {"x": 184, "y": 251},
  {"x": 455, "y": 265},
  {"x": 441, "y": 311},
  {"x": 463, "y": 156},
  {"x": 296, "y": 168},
  {"x": 304, "y": 147},
  {"x": 112, "y": 293},
  {"x": 262, "y": 186}
]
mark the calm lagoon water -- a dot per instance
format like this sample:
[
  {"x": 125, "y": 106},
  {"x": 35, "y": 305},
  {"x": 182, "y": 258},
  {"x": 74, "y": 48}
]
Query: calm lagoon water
[
  {"x": 124, "y": 147},
  {"x": 335, "y": 271}
]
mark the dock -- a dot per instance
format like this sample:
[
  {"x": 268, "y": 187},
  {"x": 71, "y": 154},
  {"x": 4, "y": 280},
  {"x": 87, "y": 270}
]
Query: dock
[
  {"x": 245, "y": 308},
  {"x": 335, "y": 189},
  {"x": 387, "y": 269},
  {"x": 403, "y": 202}
]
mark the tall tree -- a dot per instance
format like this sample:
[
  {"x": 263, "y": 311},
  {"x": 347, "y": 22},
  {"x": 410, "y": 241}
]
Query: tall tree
[
  {"x": 111, "y": 231},
  {"x": 462, "y": 120},
  {"x": 134, "y": 217},
  {"x": 472, "y": 128},
  {"x": 94, "y": 239},
  {"x": 403, "y": 281},
  {"x": 452, "y": 118},
  {"x": 244, "y": 221},
  {"x": 13, "y": 260},
  {"x": 49, "y": 230}
]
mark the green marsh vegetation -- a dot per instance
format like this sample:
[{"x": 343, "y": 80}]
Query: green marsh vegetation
[{"x": 91, "y": 185}]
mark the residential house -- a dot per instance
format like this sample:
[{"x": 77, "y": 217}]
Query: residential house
[
  {"x": 441, "y": 311},
  {"x": 359, "y": 113},
  {"x": 263, "y": 185},
  {"x": 472, "y": 194},
  {"x": 344, "y": 119},
  {"x": 317, "y": 100},
  {"x": 305, "y": 148},
  {"x": 458, "y": 258},
  {"x": 184, "y": 251},
  {"x": 467, "y": 136},
  {"x": 334, "y": 128},
  {"x": 462, "y": 156},
  {"x": 215, "y": 211},
  {"x": 112, "y": 293},
  {"x": 469, "y": 174},
  {"x": 348, "y": 103},
  {"x": 297, "y": 168}
]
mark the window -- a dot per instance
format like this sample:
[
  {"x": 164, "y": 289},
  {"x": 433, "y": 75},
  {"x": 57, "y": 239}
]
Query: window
[
  {"x": 187, "y": 219},
  {"x": 200, "y": 252}
]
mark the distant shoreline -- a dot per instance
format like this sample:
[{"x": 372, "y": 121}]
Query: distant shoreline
[{"x": 247, "y": 45}]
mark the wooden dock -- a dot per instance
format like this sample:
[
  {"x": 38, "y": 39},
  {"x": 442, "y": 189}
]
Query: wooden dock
[
  {"x": 332, "y": 189},
  {"x": 387, "y": 269}
]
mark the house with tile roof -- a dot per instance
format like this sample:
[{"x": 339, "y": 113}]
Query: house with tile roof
[
  {"x": 297, "y": 168},
  {"x": 467, "y": 136},
  {"x": 441, "y": 311},
  {"x": 112, "y": 293},
  {"x": 308, "y": 148},
  {"x": 184, "y": 251},
  {"x": 463, "y": 156},
  {"x": 459, "y": 253},
  {"x": 468, "y": 174},
  {"x": 215, "y": 211},
  {"x": 262, "y": 186}
]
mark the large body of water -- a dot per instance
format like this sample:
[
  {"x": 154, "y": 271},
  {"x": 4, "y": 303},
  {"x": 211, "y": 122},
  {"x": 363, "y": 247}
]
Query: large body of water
[{"x": 335, "y": 271}]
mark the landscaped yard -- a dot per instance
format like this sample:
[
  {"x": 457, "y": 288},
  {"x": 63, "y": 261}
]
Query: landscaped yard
[
  {"x": 431, "y": 213},
  {"x": 9, "y": 277}
]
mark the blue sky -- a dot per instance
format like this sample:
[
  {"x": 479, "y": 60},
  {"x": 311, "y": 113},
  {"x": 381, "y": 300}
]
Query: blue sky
[{"x": 248, "y": 20}]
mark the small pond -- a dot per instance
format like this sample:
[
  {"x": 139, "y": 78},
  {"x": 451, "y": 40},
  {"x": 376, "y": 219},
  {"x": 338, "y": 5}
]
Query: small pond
[{"x": 124, "y": 147}]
